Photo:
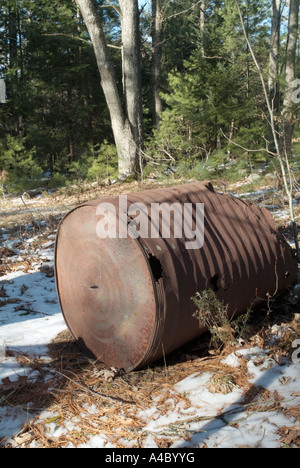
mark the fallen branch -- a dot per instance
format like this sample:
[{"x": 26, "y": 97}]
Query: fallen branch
[{"x": 93, "y": 392}]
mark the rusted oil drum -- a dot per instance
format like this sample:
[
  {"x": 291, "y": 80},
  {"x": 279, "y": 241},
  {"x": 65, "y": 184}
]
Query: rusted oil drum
[{"x": 127, "y": 299}]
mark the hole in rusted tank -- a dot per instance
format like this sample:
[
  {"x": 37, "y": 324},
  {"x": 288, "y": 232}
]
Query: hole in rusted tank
[
  {"x": 94, "y": 287},
  {"x": 156, "y": 267},
  {"x": 214, "y": 283}
]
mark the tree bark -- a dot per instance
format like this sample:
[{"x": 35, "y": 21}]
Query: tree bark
[
  {"x": 126, "y": 145},
  {"x": 13, "y": 39},
  {"x": 282, "y": 159},
  {"x": 273, "y": 78},
  {"x": 132, "y": 81},
  {"x": 156, "y": 33},
  {"x": 203, "y": 5},
  {"x": 273, "y": 84},
  {"x": 288, "y": 125},
  {"x": 13, "y": 62}
]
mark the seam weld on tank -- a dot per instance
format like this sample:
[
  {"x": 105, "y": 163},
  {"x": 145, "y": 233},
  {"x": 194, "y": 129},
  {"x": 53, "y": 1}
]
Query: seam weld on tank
[{"x": 127, "y": 301}]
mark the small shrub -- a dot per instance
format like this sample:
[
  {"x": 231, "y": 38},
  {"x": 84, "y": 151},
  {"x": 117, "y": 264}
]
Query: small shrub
[
  {"x": 213, "y": 315},
  {"x": 57, "y": 180},
  {"x": 103, "y": 164},
  {"x": 222, "y": 382},
  {"x": 20, "y": 163}
]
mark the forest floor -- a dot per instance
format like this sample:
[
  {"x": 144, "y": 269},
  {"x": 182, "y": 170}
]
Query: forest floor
[{"x": 52, "y": 395}]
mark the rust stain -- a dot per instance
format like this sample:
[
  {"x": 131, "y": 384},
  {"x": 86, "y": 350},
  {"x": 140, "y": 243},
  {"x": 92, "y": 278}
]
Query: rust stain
[{"x": 128, "y": 301}]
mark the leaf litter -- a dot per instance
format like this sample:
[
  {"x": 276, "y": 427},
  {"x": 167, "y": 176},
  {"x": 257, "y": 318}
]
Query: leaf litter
[{"x": 51, "y": 395}]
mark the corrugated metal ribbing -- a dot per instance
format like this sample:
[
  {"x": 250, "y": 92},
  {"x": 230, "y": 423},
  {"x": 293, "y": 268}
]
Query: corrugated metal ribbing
[{"x": 242, "y": 259}]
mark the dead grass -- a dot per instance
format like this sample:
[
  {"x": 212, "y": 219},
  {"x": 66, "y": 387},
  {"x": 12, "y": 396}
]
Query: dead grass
[
  {"x": 71, "y": 384},
  {"x": 293, "y": 412},
  {"x": 72, "y": 387},
  {"x": 222, "y": 382}
]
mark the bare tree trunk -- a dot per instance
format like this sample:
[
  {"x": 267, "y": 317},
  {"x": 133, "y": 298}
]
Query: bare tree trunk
[
  {"x": 202, "y": 25},
  {"x": 132, "y": 81},
  {"x": 288, "y": 125},
  {"x": 282, "y": 157},
  {"x": 156, "y": 32},
  {"x": 13, "y": 59},
  {"x": 13, "y": 39},
  {"x": 86, "y": 98},
  {"x": 273, "y": 84},
  {"x": 273, "y": 81},
  {"x": 124, "y": 138}
]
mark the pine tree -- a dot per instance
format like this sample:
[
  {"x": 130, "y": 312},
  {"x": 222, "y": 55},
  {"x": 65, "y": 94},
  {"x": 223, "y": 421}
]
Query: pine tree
[
  {"x": 54, "y": 105},
  {"x": 216, "y": 91}
]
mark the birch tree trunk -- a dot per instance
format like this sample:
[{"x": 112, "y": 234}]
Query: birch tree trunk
[
  {"x": 156, "y": 32},
  {"x": 124, "y": 139},
  {"x": 203, "y": 5},
  {"x": 288, "y": 125}
]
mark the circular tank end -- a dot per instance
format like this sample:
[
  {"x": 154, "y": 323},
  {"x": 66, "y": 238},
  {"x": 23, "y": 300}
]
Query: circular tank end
[{"x": 106, "y": 291}]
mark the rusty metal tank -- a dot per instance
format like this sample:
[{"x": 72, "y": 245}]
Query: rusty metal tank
[{"x": 127, "y": 299}]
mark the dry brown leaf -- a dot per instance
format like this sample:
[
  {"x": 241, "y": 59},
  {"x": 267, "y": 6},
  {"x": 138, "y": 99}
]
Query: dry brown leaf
[
  {"x": 3, "y": 292},
  {"x": 8, "y": 385},
  {"x": 48, "y": 270},
  {"x": 290, "y": 435}
]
